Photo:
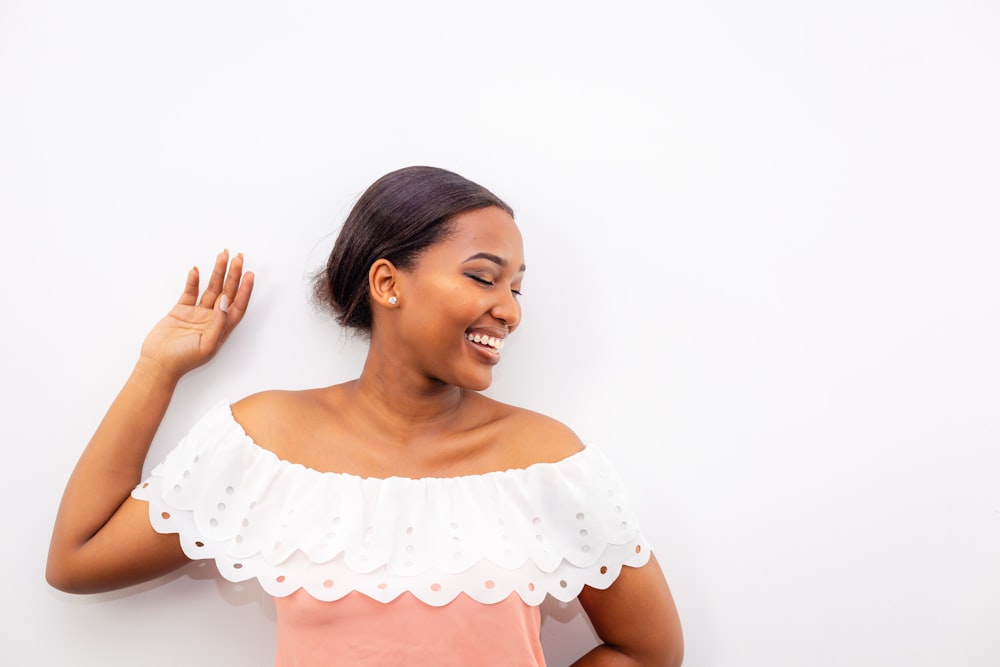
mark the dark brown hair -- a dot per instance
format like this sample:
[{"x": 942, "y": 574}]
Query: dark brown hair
[{"x": 399, "y": 216}]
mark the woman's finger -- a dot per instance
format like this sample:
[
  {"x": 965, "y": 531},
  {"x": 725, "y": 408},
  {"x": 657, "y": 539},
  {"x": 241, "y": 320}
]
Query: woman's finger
[
  {"x": 214, "y": 288},
  {"x": 237, "y": 308},
  {"x": 189, "y": 296},
  {"x": 233, "y": 277},
  {"x": 238, "y": 305}
]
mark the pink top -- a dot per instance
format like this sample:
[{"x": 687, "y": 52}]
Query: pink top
[{"x": 357, "y": 630}]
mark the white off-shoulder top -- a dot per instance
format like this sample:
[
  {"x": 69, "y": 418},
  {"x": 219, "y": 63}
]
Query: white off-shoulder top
[{"x": 548, "y": 529}]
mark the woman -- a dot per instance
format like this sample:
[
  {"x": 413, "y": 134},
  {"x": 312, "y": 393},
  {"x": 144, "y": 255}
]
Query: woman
[{"x": 402, "y": 518}]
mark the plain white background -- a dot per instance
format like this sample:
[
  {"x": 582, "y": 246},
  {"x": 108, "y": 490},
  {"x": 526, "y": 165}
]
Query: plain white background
[{"x": 762, "y": 245}]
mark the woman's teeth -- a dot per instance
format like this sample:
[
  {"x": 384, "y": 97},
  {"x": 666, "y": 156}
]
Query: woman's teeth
[{"x": 490, "y": 341}]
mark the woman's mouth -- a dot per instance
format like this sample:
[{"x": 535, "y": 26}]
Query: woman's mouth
[{"x": 491, "y": 343}]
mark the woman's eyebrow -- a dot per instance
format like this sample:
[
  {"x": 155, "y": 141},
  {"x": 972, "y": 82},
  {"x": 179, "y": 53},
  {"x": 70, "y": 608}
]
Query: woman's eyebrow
[{"x": 496, "y": 259}]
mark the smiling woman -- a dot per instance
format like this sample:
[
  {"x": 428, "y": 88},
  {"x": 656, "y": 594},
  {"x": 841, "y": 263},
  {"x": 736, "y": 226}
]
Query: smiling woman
[{"x": 400, "y": 518}]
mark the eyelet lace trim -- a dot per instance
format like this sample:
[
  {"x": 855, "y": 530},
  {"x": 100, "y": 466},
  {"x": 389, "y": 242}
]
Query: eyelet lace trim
[{"x": 550, "y": 528}]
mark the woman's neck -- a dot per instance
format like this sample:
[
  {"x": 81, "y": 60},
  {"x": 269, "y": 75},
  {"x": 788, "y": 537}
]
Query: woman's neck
[{"x": 407, "y": 406}]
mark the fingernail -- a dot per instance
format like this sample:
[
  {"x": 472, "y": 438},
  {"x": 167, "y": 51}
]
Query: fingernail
[{"x": 224, "y": 303}]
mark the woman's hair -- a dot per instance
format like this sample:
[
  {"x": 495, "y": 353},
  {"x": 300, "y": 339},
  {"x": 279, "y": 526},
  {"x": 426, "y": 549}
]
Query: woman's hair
[{"x": 398, "y": 217}]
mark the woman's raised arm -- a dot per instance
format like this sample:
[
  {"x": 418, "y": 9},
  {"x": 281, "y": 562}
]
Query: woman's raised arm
[{"x": 102, "y": 539}]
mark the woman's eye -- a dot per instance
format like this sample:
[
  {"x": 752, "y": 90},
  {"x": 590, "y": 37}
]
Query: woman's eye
[
  {"x": 479, "y": 280},
  {"x": 489, "y": 283}
]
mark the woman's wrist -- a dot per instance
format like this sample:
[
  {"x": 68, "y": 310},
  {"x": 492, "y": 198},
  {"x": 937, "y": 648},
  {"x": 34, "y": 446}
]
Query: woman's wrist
[{"x": 154, "y": 374}]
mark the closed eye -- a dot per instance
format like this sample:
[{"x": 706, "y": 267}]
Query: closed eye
[{"x": 481, "y": 281}]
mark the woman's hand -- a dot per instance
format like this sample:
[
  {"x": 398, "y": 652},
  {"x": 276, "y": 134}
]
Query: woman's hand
[{"x": 195, "y": 329}]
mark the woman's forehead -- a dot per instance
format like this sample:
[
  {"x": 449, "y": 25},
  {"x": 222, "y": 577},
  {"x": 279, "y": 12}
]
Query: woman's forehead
[{"x": 486, "y": 231}]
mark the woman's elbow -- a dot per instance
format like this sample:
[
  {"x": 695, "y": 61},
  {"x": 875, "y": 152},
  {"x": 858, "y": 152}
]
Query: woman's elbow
[
  {"x": 674, "y": 647},
  {"x": 71, "y": 573},
  {"x": 60, "y": 576},
  {"x": 668, "y": 651},
  {"x": 663, "y": 647},
  {"x": 675, "y": 655}
]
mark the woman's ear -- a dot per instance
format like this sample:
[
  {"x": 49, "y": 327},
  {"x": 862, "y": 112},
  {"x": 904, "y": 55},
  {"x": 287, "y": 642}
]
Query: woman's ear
[{"x": 382, "y": 278}]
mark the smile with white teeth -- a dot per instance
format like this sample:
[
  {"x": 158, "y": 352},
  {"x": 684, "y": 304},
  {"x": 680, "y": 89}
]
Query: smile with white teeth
[{"x": 488, "y": 341}]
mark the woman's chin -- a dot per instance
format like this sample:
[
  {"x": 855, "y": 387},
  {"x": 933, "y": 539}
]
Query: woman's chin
[
  {"x": 481, "y": 386},
  {"x": 478, "y": 382}
]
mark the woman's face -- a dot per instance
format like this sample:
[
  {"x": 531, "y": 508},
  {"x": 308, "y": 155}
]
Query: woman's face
[{"x": 460, "y": 300}]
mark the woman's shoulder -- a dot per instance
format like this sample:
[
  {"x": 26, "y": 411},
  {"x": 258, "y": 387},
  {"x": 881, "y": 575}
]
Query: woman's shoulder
[
  {"x": 531, "y": 437},
  {"x": 275, "y": 407},
  {"x": 274, "y": 419},
  {"x": 276, "y": 400}
]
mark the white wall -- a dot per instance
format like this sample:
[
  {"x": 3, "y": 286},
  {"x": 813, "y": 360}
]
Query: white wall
[{"x": 762, "y": 243}]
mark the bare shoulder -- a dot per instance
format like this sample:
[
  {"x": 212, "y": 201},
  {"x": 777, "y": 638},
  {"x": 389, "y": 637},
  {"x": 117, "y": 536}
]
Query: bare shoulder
[
  {"x": 274, "y": 419},
  {"x": 274, "y": 404},
  {"x": 535, "y": 438}
]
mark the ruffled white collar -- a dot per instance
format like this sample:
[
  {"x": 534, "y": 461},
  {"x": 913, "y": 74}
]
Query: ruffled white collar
[{"x": 550, "y": 528}]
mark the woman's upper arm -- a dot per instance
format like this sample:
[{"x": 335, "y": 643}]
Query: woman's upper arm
[
  {"x": 636, "y": 616},
  {"x": 125, "y": 551}
]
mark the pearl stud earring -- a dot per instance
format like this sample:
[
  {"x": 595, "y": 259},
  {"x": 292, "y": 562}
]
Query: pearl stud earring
[{"x": 392, "y": 301}]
